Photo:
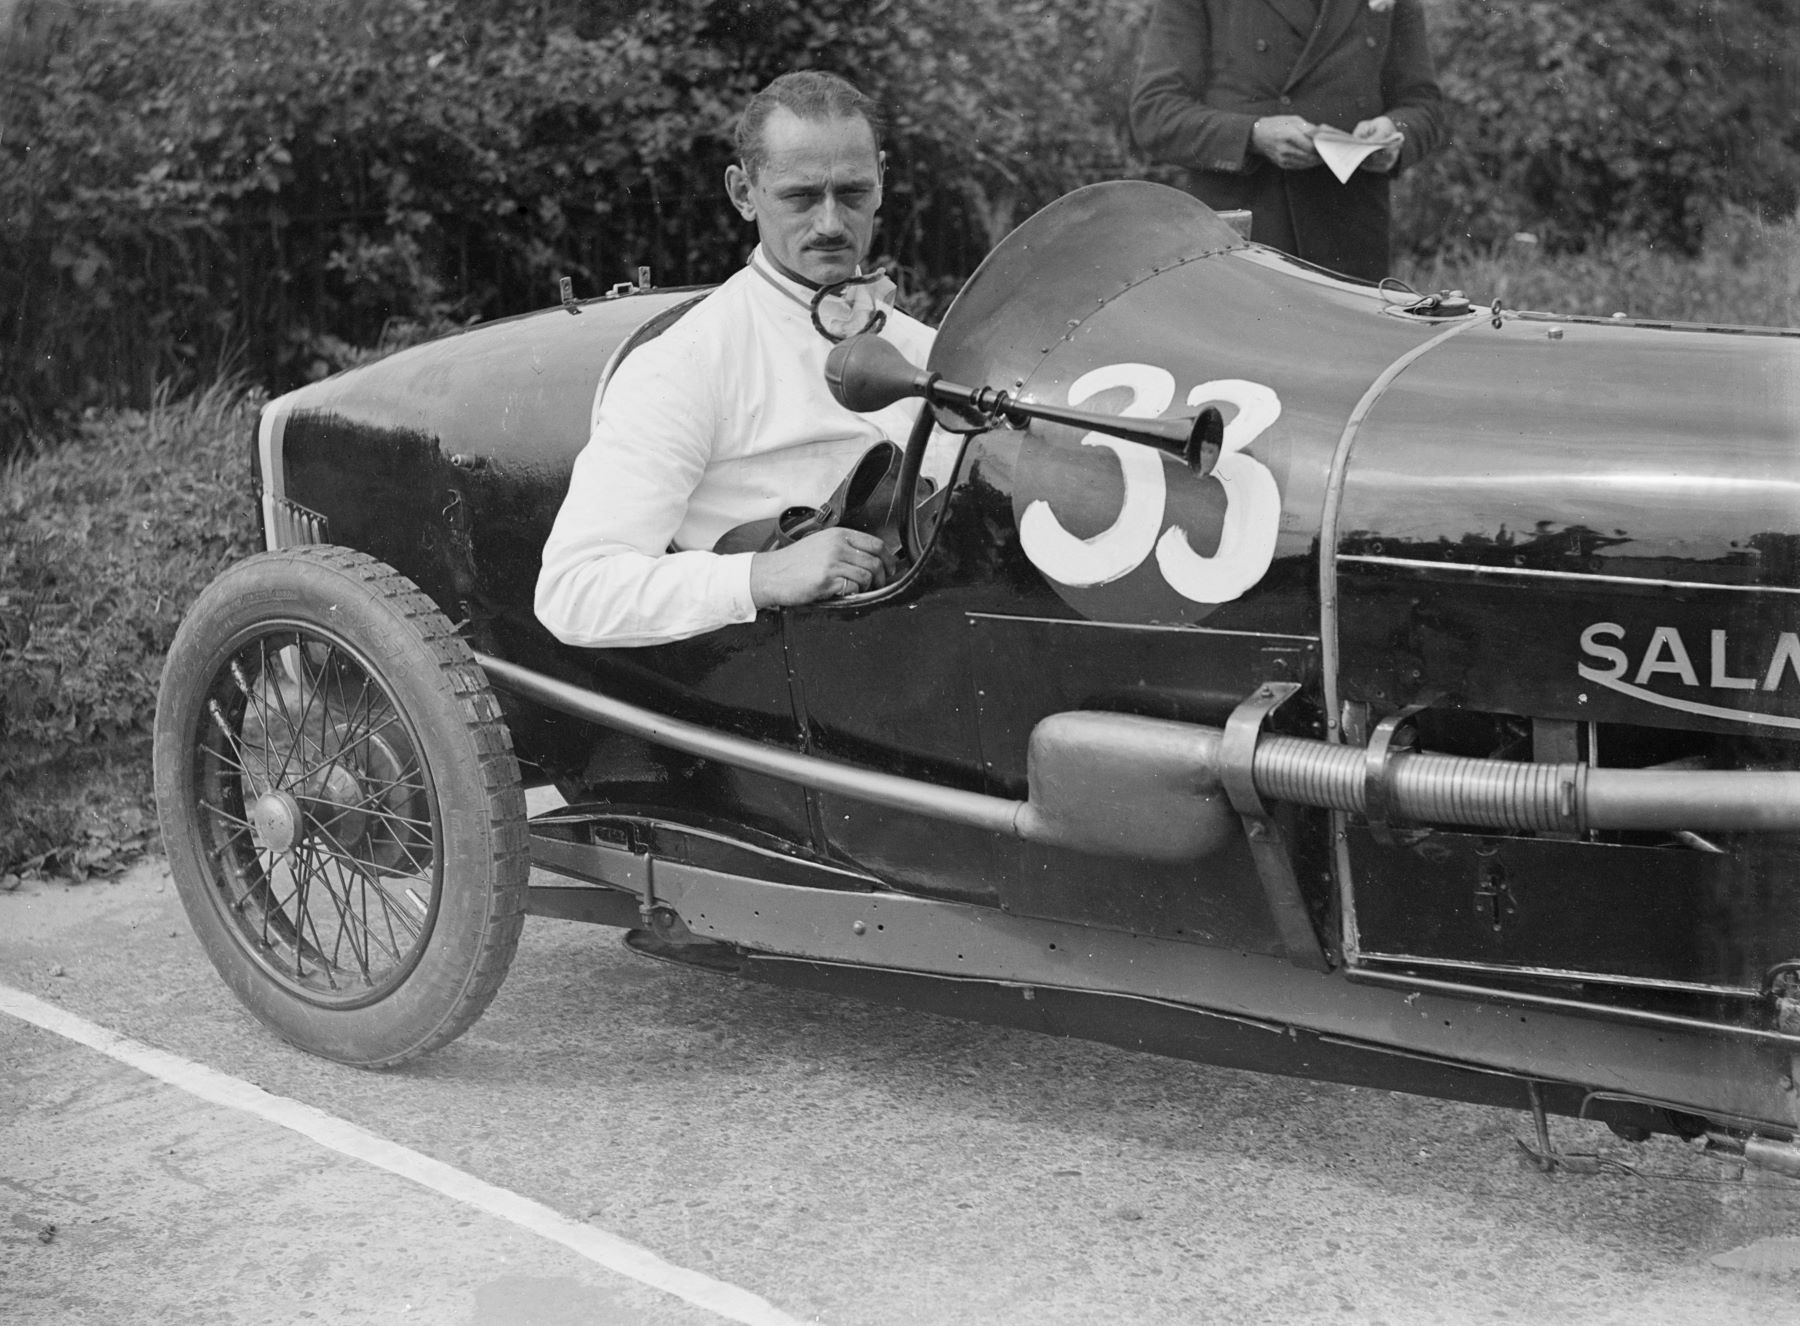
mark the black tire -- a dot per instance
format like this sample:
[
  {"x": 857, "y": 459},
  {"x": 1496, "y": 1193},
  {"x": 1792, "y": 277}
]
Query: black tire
[{"x": 341, "y": 805}]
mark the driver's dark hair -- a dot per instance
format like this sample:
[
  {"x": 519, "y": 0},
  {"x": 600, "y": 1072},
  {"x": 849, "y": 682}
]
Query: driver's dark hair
[{"x": 811, "y": 95}]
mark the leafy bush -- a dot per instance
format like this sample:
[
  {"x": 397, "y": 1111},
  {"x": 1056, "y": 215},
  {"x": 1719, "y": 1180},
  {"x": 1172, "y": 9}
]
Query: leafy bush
[
  {"x": 1640, "y": 117},
  {"x": 211, "y": 185},
  {"x": 104, "y": 542},
  {"x": 291, "y": 178}
]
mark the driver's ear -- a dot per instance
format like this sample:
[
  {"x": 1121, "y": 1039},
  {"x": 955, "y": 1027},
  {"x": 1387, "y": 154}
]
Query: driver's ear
[{"x": 737, "y": 188}]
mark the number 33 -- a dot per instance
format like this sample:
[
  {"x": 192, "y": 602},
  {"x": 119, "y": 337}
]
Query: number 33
[{"x": 1252, "y": 500}]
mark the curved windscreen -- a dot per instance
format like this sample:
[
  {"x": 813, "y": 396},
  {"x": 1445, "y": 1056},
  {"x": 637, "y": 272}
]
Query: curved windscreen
[{"x": 1071, "y": 258}]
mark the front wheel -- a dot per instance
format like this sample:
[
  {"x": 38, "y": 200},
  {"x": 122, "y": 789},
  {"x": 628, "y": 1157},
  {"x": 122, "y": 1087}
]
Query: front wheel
[{"x": 340, "y": 805}]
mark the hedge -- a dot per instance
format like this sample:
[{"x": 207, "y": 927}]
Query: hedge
[
  {"x": 1577, "y": 122},
  {"x": 260, "y": 187},
  {"x": 212, "y": 185}
]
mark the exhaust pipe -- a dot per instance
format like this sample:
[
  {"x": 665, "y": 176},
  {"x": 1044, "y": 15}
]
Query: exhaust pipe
[{"x": 1508, "y": 794}]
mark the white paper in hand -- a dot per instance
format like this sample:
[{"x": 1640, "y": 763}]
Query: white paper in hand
[{"x": 1344, "y": 152}]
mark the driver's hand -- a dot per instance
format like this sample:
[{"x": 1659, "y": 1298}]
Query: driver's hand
[
  {"x": 1286, "y": 140},
  {"x": 826, "y": 565}
]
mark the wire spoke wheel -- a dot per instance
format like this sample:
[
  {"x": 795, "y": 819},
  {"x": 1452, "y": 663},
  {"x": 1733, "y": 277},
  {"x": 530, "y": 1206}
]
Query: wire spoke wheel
[
  {"x": 324, "y": 744},
  {"x": 319, "y": 813}
]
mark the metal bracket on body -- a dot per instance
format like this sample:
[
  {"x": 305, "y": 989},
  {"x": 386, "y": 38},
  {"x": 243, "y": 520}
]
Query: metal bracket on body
[
  {"x": 1389, "y": 738},
  {"x": 1274, "y": 864},
  {"x": 622, "y": 288}
]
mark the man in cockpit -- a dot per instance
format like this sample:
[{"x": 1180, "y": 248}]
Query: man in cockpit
[{"x": 725, "y": 418}]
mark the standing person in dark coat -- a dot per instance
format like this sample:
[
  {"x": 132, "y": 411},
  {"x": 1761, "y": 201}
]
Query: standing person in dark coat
[{"x": 1235, "y": 90}]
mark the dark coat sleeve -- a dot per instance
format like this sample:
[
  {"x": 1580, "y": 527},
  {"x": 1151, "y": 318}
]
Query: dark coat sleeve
[
  {"x": 1170, "y": 118},
  {"x": 1409, "y": 86}
]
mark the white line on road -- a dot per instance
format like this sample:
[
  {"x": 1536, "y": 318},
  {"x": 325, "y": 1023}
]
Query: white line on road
[{"x": 608, "y": 1250}]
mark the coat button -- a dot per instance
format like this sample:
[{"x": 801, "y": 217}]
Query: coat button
[
  {"x": 1371, "y": 42},
  {"x": 1262, "y": 43},
  {"x": 1287, "y": 101}
]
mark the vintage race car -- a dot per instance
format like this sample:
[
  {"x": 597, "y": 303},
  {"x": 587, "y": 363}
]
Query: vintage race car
[{"x": 1296, "y": 675}]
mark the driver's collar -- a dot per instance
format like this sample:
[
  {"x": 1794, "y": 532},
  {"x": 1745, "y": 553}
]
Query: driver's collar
[{"x": 796, "y": 288}]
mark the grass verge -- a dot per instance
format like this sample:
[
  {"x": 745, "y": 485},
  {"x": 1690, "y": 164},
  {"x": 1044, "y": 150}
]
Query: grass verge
[
  {"x": 105, "y": 539},
  {"x": 1747, "y": 275}
]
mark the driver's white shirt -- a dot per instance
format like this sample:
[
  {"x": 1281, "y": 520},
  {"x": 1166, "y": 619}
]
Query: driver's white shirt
[{"x": 723, "y": 419}]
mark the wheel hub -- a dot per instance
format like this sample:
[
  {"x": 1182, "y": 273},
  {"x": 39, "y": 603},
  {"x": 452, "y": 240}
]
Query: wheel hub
[{"x": 278, "y": 821}]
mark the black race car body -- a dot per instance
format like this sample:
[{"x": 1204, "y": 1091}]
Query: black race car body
[{"x": 1430, "y": 722}]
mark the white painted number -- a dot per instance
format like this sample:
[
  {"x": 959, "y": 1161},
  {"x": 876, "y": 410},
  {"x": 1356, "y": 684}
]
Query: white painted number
[
  {"x": 1121, "y": 549},
  {"x": 1252, "y": 503},
  {"x": 1252, "y": 499}
]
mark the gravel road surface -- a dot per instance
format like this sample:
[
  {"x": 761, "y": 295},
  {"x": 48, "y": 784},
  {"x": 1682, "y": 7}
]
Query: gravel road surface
[{"x": 834, "y": 1161}]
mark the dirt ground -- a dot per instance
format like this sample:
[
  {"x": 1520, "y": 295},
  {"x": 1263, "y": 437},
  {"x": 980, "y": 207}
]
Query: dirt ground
[{"x": 833, "y": 1160}]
